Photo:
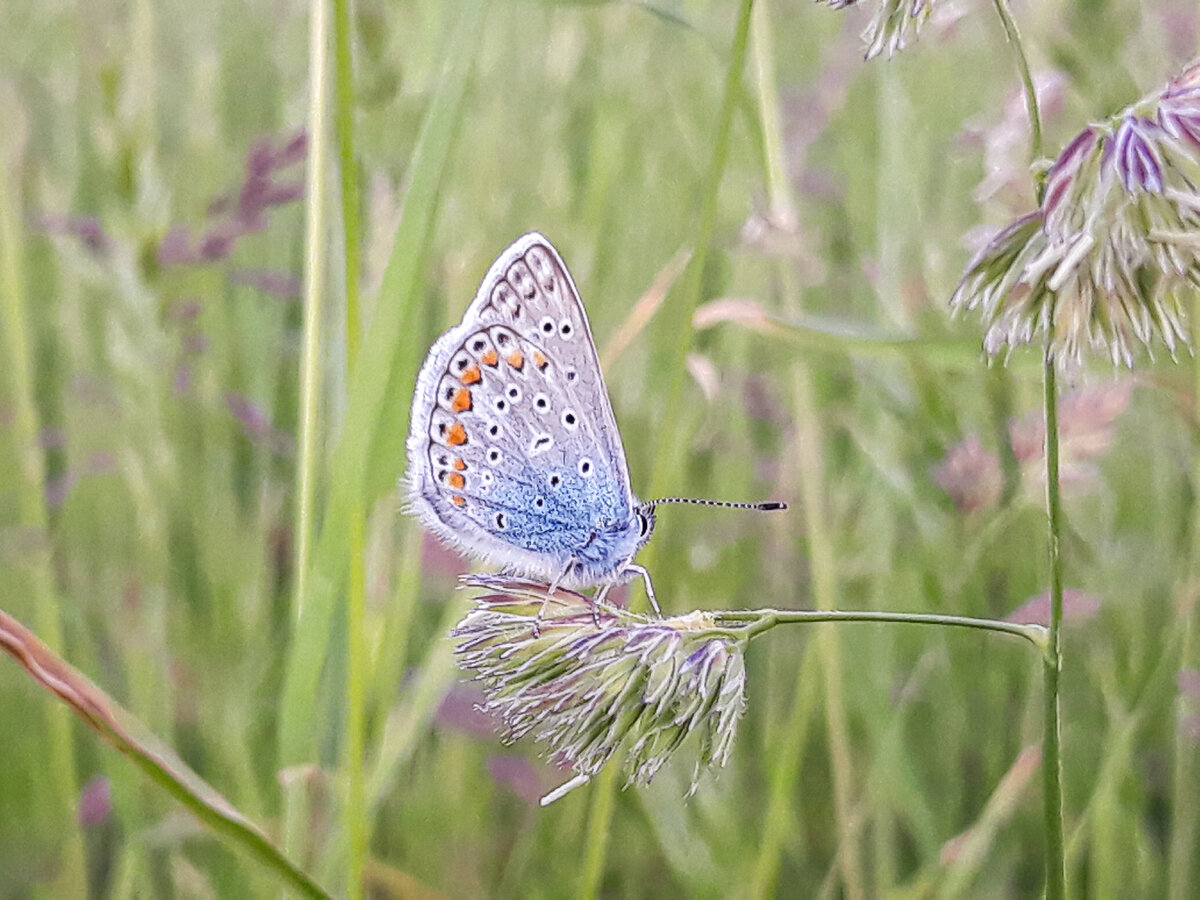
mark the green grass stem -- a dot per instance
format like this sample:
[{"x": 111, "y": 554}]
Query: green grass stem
[
  {"x": 752, "y": 623},
  {"x": 31, "y": 512},
  {"x": 675, "y": 320},
  {"x": 1052, "y": 793},
  {"x": 355, "y": 823},
  {"x": 1185, "y": 771},
  {"x": 785, "y": 766},
  {"x": 367, "y": 455},
  {"x": 809, "y": 456},
  {"x": 316, "y": 235},
  {"x": 1053, "y": 662}
]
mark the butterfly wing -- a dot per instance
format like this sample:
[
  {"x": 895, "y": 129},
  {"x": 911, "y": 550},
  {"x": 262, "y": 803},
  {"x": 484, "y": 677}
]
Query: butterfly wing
[{"x": 514, "y": 453}]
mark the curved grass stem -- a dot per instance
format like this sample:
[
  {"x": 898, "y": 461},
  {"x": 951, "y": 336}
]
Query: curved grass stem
[
  {"x": 1031, "y": 100},
  {"x": 1052, "y": 722},
  {"x": 752, "y": 623}
]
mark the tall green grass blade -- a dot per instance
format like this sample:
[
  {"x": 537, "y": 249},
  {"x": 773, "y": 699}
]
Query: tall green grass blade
[
  {"x": 29, "y": 487},
  {"x": 356, "y": 825},
  {"x": 364, "y": 460},
  {"x": 811, "y": 474},
  {"x": 316, "y": 236}
]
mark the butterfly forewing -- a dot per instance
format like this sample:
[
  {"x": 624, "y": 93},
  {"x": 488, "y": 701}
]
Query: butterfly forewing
[
  {"x": 519, "y": 458},
  {"x": 530, "y": 289}
]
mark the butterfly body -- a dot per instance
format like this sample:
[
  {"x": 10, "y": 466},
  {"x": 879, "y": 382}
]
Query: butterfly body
[{"x": 513, "y": 450}]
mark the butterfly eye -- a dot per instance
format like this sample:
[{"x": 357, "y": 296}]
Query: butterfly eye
[
  {"x": 547, "y": 325},
  {"x": 569, "y": 419},
  {"x": 585, "y": 467},
  {"x": 565, "y": 329},
  {"x": 645, "y": 524}
]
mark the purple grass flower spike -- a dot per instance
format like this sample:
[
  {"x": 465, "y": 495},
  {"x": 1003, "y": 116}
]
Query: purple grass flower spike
[
  {"x": 218, "y": 243},
  {"x": 182, "y": 382},
  {"x": 1132, "y": 153},
  {"x": 95, "y": 802},
  {"x": 282, "y": 193},
  {"x": 89, "y": 230},
  {"x": 175, "y": 248},
  {"x": 260, "y": 158},
  {"x": 1062, "y": 174},
  {"x": 85, "y": 229},
  {"x": 517, "y": 774},
  {"x": 971, "y": 476},
  {"x": 1189, "y": 682},
  {"x": 57, "y": 489},
  {"x": 257, "y": 425},
  {"x": 1111, "y": 258},
  {"x": 294, "y": 151},
  {"x": 269, "y": 281},
  {"x": 591, "y": 680}
]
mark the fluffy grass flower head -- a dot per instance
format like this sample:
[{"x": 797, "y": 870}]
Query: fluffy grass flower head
[
  {"x": 589, "y": 681},
  {"x": 1111, "y": 258}
]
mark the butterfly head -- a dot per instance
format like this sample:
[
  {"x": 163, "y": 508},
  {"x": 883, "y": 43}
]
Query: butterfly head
[{"x": 644, "y": 515}]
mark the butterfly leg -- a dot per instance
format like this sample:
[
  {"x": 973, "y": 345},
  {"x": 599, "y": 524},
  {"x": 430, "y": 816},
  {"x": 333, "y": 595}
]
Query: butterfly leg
[
  {"x": 641, "y": 570},
  {"x": 537, "y": 625}
]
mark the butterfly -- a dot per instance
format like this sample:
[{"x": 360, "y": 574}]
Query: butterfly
[{"x": 514, "y": 455}]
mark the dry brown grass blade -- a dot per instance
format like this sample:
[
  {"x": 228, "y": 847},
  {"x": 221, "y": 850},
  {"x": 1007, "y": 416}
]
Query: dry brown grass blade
[
  {"x": 145, "y": 750},
  {"x": 644, "y": 310}
]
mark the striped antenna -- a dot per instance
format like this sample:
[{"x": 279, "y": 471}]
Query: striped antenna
[{"x": 765, "y": 506}]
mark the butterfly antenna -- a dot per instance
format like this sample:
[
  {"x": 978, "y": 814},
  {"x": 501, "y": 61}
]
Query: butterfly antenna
[{"x": 765, "y": 506}]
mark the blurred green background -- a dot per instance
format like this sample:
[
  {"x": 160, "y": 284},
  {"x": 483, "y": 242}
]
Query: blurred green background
[{"x": 152, "y": 199}]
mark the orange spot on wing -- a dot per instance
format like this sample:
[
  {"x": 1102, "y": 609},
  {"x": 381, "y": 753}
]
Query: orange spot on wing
[
  {"x": 456, "y": 434},
  {"x": 470, "y": 375},
  {"x": 460, "y": 464},
  {"x": 516, "y": 359},
  {"x": 456, "y": 481},
  {"x": 539, "y": 360},
  {"x": 489, "y": 357},
  {"x": 461, "y": 401},
  {"x": 459, "y": 500}
]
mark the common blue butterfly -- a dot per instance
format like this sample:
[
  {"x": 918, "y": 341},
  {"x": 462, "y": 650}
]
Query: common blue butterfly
[{"x": 513, "y": 450}]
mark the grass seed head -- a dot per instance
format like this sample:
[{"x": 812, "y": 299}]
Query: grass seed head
[{"x": 588, "y": 681}]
